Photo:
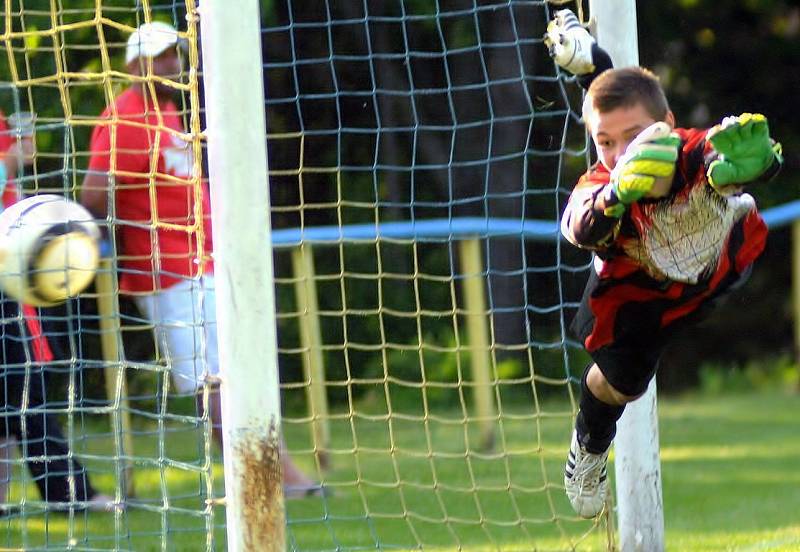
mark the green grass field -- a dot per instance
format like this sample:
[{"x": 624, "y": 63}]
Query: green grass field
[{"x": 729, "y": 464}]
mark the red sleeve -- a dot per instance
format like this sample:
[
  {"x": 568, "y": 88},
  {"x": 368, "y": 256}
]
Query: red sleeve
[
  {"x": 39, "y": 344},
  {"x": 696, "y": 153},
  {"x": 693, "y": 139},
  {"x": 6, "y": 139},
  {"x": 584, "y": 222},
  {"x": 129, "y": 139},
  {"x": 100, "y": 149},
  {"x": 9, "y": 195}
]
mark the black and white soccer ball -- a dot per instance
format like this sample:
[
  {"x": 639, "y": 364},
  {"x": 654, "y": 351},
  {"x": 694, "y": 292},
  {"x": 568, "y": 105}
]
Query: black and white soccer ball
[{"x": 49, "y": 250}]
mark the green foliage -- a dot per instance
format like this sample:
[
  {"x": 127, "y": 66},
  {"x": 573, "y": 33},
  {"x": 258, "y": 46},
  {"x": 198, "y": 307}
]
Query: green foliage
[
  {"x": 38, "y": 55},
  {"x": 728, "y": 466},
  {"x": 724, "y": 58},
  {"x": 780, "y": 373}
]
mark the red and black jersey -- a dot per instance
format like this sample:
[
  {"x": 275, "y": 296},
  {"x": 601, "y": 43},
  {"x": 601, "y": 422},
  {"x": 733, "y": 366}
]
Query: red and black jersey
[{"x": 665, "y": 257}]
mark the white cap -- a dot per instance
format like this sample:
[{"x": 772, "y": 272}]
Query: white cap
[{"x": 150, "y": 40}]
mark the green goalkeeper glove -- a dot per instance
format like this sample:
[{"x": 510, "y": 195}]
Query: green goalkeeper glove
[
  {"x": 650, "y": 156},
  {"x": 744, "y": 147}
]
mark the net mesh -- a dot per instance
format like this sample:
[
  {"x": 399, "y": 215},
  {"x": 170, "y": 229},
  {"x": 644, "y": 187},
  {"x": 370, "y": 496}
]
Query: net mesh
[
  {"x": 403, "y": 121},
  {"x": 428, "y": 380},
  {"x": 139, "y": 442}
]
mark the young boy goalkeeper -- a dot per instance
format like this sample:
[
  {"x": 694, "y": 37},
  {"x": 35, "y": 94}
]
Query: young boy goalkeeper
[{"x": 666, "y": 213}]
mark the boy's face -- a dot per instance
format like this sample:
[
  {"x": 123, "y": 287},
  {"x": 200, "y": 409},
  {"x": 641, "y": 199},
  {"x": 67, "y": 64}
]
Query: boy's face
[{"x": 614, "y": 130}]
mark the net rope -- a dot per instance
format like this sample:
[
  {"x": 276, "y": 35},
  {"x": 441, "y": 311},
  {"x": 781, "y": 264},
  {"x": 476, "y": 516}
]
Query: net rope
[
  {"x": 399, "y": 112},
  {"x": 372, "y": 116}
]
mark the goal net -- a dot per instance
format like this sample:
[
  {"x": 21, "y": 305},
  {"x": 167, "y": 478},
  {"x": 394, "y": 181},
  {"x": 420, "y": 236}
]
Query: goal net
[{"x": 419, "y": 155}]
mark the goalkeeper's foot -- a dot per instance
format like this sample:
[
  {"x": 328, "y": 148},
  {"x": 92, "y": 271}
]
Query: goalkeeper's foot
[{"x": 585, "y": 479}]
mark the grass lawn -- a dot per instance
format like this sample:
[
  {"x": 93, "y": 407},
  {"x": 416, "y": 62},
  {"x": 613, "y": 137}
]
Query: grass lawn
[
  {"x": 729, "y": 465},
  {"x": 730, "y": 472}
]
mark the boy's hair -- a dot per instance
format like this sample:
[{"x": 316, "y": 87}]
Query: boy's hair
[{"x": 626, "y": 87}]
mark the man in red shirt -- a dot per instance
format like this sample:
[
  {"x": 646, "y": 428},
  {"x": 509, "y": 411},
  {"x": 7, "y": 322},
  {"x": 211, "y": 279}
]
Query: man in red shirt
[
  {"x": 163, "y": 229},
  {"x": 23, "y": 381},
  {"x": 162, "y": 222}
]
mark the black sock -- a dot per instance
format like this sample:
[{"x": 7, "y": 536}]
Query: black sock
[{"x": 596, "y": 423}]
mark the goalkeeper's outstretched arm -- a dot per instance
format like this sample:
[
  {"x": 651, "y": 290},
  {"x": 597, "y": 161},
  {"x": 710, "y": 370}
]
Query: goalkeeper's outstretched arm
[
  {"x": 595, "y": 207},
  {"x": 574, "y": 49}
]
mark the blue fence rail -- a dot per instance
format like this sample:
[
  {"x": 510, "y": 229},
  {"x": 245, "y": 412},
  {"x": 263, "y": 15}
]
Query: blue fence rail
[
  {"x": 431, "y": 229},
  {"x": 469, "y": 231}
]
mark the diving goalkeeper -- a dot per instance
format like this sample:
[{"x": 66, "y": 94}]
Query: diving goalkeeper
[{"x": 666, "y": 212}]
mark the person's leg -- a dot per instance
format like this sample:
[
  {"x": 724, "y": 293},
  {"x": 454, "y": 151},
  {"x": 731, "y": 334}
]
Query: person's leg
[
  {"x": 43, "y": 438},
  {"x": 185, "y": 326},
  {"x": 6, "y": 444},
  {"x": 600, "y": 406},
  {"x": 204, "y": 300},
  {"x": 295, "y": 482},
  {"x": 585, "y": 476},
  {"x": 5, "y": 467},
  {"x": 620, "y": 373},
  {"x": 604, "y": 394},
  {"x": 59, "y": 477},
  {"x": 185, "y": 320},
  {"x": 214, "y": 413}
]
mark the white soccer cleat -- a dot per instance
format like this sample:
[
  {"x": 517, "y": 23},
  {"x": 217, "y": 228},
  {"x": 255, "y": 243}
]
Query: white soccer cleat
[{"x": 585, "y": 479}]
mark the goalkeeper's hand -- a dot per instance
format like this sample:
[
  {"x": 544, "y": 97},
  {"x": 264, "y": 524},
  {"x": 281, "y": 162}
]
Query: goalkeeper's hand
[
  {"x": 650, "y": 156},
  {"x": 744, "y": 147},
  {"x": 569, "y": 43}
]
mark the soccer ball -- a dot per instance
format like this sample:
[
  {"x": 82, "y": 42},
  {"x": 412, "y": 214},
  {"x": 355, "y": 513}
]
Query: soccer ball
[{"x": 49, "y": 250}]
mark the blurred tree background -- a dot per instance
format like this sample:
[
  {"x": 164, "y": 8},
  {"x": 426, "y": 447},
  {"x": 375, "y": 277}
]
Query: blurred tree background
[
  {"x": 714, "y": 59},
  {"x": 348, "y": 104},
  {"x": 717, "y": 59}
]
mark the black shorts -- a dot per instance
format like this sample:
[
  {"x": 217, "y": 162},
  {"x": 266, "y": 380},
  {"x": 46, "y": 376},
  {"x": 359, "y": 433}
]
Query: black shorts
[{"x": 630, "y": 360}]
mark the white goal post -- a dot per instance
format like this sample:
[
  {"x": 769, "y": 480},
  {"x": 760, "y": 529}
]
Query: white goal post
[
  {"x": 640, "y": 512},
  {"x": 237, "y": 153}
]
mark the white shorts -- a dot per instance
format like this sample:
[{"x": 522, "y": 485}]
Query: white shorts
[{"x": 185, "y": 320}]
